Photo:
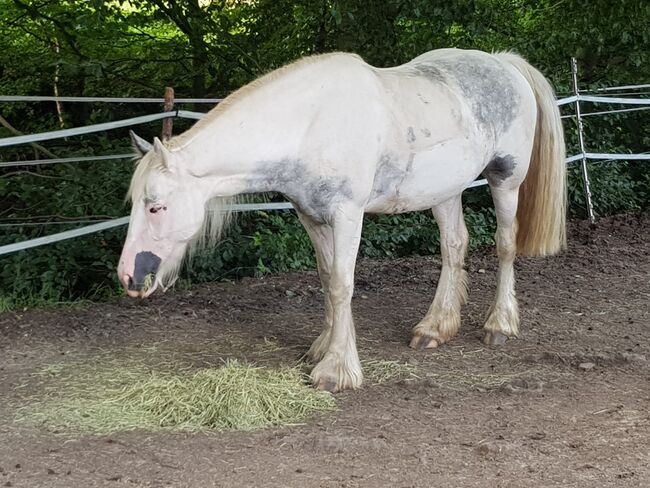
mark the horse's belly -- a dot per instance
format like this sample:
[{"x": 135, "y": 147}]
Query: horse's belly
[{"x": 422, "y": 180}]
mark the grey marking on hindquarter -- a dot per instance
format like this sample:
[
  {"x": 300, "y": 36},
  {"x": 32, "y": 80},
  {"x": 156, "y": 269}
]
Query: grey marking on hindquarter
[
  {"x": 426, "y": 132},
  {"x": 431, "y": 72},
  {"x": 410, "y": 135},
  {"x": 145, "y": 263},
  {"x": 314, "y": 195},
  {"x": 494, "y": 98},
  {"x": 485, "y": 82},
  {"x": 500, "y": 168}
]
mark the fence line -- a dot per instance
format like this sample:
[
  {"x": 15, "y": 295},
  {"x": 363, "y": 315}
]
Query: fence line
[
  {"x": 21, "y": 98},
  {"x": 89, "y": 129},
  {"x": 622, "y": 87},
  {"x": 51, "y": 222},
  {"x": 46, "y": 98},
  {"x": 97, "y": 227},
  {"x": 111, "y": 224},
  {"x": 603, "y": 99},
  {"x": 77, "y": 159},
  {"x": 283, "y": 205},
  {"x": 615, "y": 111}
]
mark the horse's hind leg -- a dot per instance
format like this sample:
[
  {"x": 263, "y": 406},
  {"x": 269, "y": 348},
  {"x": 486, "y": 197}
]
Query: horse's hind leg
[
  {"x": 503, "y": 318},
  {"x": 442, "y": 321},
  {"x": 322, "y": 238}
]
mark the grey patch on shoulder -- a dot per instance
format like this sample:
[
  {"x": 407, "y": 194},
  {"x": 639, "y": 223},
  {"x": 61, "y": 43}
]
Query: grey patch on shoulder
[
  {"x": 314, "y": 195},
  {"x": 422, "y": 99},
  {"x": 426, "y": 132},
  {"x": 410, "y": 135},
  {"x": 489, "y": 87},
  {"x": 500, "y": 168}
]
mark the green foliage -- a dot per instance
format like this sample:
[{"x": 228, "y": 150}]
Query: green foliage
[
  {"x": 136, "y": 48},
  {"x": 257, "y": 243}
]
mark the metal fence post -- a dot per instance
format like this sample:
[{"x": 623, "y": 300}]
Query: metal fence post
[{"x": 581, "y": 139}]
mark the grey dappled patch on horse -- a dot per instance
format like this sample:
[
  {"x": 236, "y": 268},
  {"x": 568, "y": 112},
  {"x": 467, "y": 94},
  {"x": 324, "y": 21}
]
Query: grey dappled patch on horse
[
  {"x": 500, "y": 168},
  {"x": 315, "y": 195}
]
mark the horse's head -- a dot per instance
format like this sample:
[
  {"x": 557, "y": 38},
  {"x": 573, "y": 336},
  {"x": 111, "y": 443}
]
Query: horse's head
[{"x": 168, "y": 210}]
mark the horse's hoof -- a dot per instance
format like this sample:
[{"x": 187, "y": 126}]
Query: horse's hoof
[
  {"x": 420, "y": 343},
  {"x": 336, "y": 373},
  {"x": 326, "y": 385},
  {"x": 495, "y": 338}
]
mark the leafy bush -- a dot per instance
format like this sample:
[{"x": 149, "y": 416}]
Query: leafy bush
[{"x": 135, "y": 49}]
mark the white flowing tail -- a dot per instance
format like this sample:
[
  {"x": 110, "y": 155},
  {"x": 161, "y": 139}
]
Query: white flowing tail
[{"x": 541, "y": 214}]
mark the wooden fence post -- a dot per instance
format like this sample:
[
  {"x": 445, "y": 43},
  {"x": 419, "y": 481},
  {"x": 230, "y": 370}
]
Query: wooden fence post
[{"x": 168, "y": 123}]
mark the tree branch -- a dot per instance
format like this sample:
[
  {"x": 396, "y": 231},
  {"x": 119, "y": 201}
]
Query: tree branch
[{"x": 15, "y": 131}]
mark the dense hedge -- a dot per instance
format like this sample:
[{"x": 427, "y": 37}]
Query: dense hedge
[{"x": 106, "y": 48}]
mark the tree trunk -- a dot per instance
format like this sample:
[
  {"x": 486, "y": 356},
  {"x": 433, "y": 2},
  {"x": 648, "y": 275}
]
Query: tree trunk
[{"x": 199, "y": 66}]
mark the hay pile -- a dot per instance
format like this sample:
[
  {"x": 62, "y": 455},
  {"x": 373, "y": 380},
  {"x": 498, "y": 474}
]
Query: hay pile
[{"x": 236, "y": 396}]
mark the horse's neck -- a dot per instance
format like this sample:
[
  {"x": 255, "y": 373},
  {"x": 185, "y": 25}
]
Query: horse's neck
[{"x": 244, "y": 150}]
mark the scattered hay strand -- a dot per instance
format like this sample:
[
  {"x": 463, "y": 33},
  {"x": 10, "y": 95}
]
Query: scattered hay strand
[
  {"x": 466, "y": 380},
  {"x": 236, "y": 396},
  {"x": 378, "y": 371},
  {"x": 148, "y": 282}
]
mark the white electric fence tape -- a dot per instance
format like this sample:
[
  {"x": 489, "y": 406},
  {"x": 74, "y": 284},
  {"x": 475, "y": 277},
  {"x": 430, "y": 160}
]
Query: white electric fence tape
[
  {"x": 110, "y": 224},
  {"x": 89, "y": 129},
  {"x": 77, "y": 159},
  {"x": 20, "y": 98},
  {"x": 10, "y": 141}
]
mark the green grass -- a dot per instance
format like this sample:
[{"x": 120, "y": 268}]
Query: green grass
[{"x": 9, "y": 303}]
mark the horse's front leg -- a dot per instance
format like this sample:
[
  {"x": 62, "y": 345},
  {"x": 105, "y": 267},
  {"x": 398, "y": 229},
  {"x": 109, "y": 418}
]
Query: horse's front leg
[
  {"x": 322, "y": 238},
  {"x": 339, "y": 368},
  {"x": 442, "y": 321}
]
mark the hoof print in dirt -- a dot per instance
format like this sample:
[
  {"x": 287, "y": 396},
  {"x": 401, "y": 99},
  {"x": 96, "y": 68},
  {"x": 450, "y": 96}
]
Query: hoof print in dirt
[
  {"x": 586, "y": 366},
  {"x": 518, "y": 386}
]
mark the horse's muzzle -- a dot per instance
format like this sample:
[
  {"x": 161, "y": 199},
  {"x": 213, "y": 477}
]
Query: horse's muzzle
[{"x": 142, "y": 282}]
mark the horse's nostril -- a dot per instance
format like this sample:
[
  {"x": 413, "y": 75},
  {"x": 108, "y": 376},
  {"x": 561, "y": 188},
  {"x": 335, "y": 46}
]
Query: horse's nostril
[{"x": 130, "y": 284}]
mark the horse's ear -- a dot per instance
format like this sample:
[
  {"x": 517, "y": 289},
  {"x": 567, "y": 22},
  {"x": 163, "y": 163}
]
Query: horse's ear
[
  {"x": 141, "y": 146},
  {"x": 164, "y": 153}
]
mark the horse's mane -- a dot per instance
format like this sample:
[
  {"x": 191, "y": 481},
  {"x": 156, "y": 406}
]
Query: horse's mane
[
  {"x": 182, "y": 139},
  {"x": 143, "y": 167}
]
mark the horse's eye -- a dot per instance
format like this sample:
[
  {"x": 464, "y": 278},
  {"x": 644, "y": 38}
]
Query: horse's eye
[{"x": 156, "y": 208}]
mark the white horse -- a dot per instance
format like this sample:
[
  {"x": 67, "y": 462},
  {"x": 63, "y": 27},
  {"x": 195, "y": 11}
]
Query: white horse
[{"x": 340, "y": 138}]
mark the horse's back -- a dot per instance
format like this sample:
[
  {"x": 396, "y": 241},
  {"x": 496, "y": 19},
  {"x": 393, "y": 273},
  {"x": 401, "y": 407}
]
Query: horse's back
[
  {"x": 452, "y": 112},
  {"x": 480, "y": 84}
]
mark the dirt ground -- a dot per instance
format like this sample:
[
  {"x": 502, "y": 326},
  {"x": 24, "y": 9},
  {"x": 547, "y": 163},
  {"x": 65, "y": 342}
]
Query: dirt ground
[{"x": 567, "y": 404}]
